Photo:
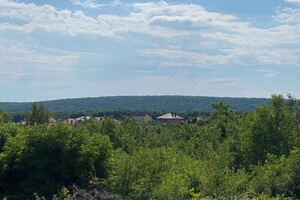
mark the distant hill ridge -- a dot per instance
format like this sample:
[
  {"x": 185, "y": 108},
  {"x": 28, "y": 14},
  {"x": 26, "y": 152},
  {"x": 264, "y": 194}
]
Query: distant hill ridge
[{"x": 138, "y": 103}]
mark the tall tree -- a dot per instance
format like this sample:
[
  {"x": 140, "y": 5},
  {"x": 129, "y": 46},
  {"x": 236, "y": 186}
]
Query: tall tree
[
  {"x": 39, "y": 114},
  {"x": 220, "y": 116},
  {"x": 4, "y": 117}
]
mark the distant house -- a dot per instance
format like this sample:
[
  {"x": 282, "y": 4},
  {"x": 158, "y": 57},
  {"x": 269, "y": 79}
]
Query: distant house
[
  {"x": 70, "y": 121},
  {"x": 52, "y": 120},
  {"x": 83, "y": 118},
  {"x": 169, "y": 118},
  {"x": 24, "y": 122},
  {"x": 142, "y": 118},
  {"x": 99, "y": 118}
]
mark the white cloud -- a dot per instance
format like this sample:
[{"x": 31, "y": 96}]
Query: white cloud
[
  {"x": 92, "y": 4},
  {"x": 15, "y": 55},
  {"x": 222, "y": 81},
  {"x": 179, "y": 58},
  {"x": 288, "y": 15},
  {"x": 116, "y": 3},
  {"x": 293, "y": 1},
  {"x": 283, "y": 56},
  {"x": 173, "y": 23},
  {"x": 87, "y": 4},
  {"x": 149, "y": 18},
  {"x": 268, "y": 73},
  {"x": 50, "y": 19},
  {"x": 33, "y": 72},
  {"x": 163, "y": 12}
]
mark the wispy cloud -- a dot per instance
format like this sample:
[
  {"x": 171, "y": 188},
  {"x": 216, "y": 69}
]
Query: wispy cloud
[
  {"x": 19, "y": 55},
  {"x": 88, "y": 4},
  {"x": 50, "y": 19},
  {"x": 222, "y": 81},
  {"x": 268, "y": 73},
  {"x": 288, "y": 15},
  {"x": 92, "y": 4},
  {"x": 116, "y": 3},
  {"x": 180, "y": 58},
  {"x": 293, "y": 1}
]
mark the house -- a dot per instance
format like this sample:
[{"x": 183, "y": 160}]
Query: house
[
  {"x": 70, "y": 121},
  {"x": 52, "y": 120},
  {"x": 24, "y": 122},
  {"x": 169, "y": 118},
  {"x": 98, "y": 119},
  {"x": 83, "y": 118},
  {"x": 142, "y": 118}
]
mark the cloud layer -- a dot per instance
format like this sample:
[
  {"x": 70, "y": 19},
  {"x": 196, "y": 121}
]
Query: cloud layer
[
  {"x": 230, "y": 37},
  {"x": 167, "y": 35}
]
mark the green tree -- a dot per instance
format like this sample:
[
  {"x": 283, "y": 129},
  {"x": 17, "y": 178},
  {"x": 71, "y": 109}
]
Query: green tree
[
  {"x": 220, "y": 116},
  {"x": 272, "y": 128},
  {"x": 4, "y": 117},
  {"x": 39, "y": 114},
  {"x": 279, "y": 176},
  {"x": 43, "y": 159}
]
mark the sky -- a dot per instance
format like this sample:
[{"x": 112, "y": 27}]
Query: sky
[{"x": 90, "y": 48}]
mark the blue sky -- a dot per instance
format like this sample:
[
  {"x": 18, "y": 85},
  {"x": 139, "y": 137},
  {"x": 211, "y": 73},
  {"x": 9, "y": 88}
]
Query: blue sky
[{"x": 88, "y": 48}]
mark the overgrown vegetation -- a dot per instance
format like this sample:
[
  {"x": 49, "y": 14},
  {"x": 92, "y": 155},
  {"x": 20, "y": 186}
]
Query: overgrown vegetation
[{"x": 230, "y": 156}]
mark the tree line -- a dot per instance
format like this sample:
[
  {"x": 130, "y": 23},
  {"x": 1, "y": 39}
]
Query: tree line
[
  {"x": 140, "y": 103},
  {"x": 252, "y": 155}
]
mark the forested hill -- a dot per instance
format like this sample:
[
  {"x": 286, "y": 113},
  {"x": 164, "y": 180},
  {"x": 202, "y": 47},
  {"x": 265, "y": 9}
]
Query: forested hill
[{"x": 138, "y": 103}]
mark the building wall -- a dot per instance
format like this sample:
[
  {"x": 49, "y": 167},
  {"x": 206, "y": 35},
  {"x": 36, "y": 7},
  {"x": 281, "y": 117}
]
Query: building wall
[{"x": 168, "y": 121}]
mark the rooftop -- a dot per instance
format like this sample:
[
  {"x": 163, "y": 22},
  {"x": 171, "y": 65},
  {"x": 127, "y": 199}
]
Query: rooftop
[{"x": 170, "y": 116}]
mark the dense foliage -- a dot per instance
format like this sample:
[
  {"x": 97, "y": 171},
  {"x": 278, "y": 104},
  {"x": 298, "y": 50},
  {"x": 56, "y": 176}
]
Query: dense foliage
[
  {"x": 38, "y": 115},
  {"x": 229, "y": 156},
  {"x": 138, "y": 103}
]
